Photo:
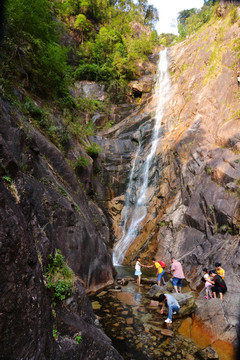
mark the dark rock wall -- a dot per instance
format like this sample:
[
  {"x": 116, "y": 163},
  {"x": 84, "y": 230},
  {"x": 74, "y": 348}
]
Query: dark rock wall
[
  {"x": 25, "y": 308},
  {"x": 42, "y": 208},
  {"x": 53, "y": 202}
]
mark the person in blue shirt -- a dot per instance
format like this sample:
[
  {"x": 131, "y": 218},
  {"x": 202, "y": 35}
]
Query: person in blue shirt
[{"x": 173, "y": 305}]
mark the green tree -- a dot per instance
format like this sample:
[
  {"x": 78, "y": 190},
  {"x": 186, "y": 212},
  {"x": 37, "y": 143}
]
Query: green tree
[
  {"x": 82, "y": 24},
  {"x": 190, "y": 20},
  {"x": 31, "y": 45},
  {"x": 151, "y": 15},
  {"x": 67, "y": 7},
  {"x": 110, "y": 38},
  {"x": 184, "y": 14},
  {"x": 167, "y": 39}
]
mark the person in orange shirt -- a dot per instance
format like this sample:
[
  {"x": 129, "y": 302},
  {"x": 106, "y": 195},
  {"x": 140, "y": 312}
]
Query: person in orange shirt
[{"x": 220, "y": 271}]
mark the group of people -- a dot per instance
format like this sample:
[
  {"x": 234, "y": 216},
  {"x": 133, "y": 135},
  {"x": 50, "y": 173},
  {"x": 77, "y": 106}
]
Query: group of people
[
  {"x": 178, "y": 275},
  {"x": 214, "y": 283},
  {"x": 176, "y": 270}
]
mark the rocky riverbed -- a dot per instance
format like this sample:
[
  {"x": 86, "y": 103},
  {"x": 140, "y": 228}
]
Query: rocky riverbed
[{"x": 138, "y": 330}]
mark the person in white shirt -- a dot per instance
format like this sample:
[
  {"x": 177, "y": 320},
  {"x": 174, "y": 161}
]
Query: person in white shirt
[
  {"x": 208, "y": 284},
  {"x": 138, "y": 272},
  {"x": 238, "y": 79}
]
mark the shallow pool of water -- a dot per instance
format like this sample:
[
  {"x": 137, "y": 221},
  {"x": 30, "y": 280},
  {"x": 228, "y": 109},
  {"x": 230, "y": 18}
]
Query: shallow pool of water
[{"x": 137, "y": 330}]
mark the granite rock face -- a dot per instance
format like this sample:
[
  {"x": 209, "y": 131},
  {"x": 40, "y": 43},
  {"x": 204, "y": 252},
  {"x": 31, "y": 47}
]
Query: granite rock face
[
  {"x": 46, "y": 203},
  {"x": 89, "y": 89},
  {"x": 49, "y": 194},
  {"x": 24, "y": 301},
  {"x": 42, "y": 208},
  {"x": 193, "y": 212}
]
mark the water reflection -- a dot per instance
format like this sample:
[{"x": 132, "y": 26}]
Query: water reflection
[
  {"x": 137, "y": 330},
  {"x": 138, "y": 296}
]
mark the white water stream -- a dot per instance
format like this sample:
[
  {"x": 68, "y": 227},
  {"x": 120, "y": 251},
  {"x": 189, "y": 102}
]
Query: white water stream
[{"x": 135, "y": 211}]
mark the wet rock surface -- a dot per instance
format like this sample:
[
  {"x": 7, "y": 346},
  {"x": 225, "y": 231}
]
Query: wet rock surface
[
  {"x": 138, "y": 330},
  {"x": 186, "y": 300},
  {"x": 193, "y": 213},
  {"x": 43, "y": 207},
  {"x": 76, "y": 318}
]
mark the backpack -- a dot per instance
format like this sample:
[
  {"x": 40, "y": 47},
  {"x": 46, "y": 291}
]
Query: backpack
[
  {"x": 163, "y": 265},
  {"x": 220, "y": 282}
]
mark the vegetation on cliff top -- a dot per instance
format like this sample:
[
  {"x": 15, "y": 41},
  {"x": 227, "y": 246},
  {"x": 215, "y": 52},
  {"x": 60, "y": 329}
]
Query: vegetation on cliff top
[
  {"x": 191, "y": 20},
  {"x": 49, "y": 44}
]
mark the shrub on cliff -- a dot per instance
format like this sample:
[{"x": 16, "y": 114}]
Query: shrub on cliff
[
  {"x": 59, "y": 277},
  {"x": 93, "y": 150}
]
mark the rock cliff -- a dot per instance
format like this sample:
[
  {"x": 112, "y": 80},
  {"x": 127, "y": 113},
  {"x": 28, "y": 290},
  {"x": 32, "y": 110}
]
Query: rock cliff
[
  {"x": 193, "y": 213},
  {"x": 42, "y": 208}
]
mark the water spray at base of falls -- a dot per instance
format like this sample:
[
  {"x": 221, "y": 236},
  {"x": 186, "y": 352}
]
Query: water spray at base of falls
[{"x": 135, "y": 211}]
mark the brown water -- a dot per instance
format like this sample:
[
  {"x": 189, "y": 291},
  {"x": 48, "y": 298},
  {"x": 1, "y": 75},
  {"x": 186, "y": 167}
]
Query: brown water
[{"x": 137, "y": 330}]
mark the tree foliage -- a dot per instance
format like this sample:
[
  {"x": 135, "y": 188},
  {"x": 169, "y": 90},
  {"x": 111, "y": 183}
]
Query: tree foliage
[
  {"x": 190, "y": 20},
  {"x": 32, "y": 55},
  {"x": 167, "y": 40},
  {"x": 107, "y": 43}
]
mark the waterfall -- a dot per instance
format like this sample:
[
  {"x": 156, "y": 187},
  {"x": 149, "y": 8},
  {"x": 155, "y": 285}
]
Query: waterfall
[{"x": 137, "y": 197}]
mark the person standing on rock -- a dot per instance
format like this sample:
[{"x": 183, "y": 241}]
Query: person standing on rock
[
  {"x": 219, "y": 285},
  {"x": 208, "y": 284},
  {"x": 138, "y": 272},
  {"x": 178, "y": 275},
  {"x": 173, "y": 305},
  {"x": 220, "y": 271},
  {"x": 160, "y": 271}
]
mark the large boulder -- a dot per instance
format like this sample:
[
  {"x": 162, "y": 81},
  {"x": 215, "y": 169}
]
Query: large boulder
[
  {"x": 89, "y": 89},
  {"x": 185, "y": 300},
  {"x": 212, "y": 314},
  {"x": 75, "y": 318}
]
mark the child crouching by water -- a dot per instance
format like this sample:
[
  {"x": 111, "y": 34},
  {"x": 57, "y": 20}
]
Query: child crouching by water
[
  {"x": 208, "y": 284},
  {"x": 138, "y": 272}
]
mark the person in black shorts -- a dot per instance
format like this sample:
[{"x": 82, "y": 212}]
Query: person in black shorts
[{"x": 219, "y": 285}]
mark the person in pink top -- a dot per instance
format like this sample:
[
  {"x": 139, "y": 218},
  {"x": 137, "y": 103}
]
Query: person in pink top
[{"x": 178, "y": 275}]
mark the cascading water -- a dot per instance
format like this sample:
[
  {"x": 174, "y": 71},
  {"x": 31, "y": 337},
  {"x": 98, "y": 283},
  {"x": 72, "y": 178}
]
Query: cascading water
[{"x": 136, "y": 207}]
